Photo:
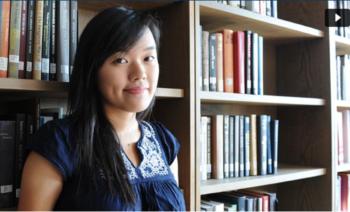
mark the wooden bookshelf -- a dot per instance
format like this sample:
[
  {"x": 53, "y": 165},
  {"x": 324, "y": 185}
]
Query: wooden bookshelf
[
  {"x": 216, "y": 16},
  {"x": 285, "y": 173},
  {"x": 247, "y": 99},
  {"x": 342, "y": 45},
  {"x": 343, "y": 168},
  {"x": 343, "y": 105}
]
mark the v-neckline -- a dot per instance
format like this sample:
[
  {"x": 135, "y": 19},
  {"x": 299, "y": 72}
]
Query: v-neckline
[{"x": 138, "y": 150}]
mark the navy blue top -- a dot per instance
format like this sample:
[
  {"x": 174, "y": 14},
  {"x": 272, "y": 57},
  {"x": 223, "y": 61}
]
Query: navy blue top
[{"x": 153, "y": 182}]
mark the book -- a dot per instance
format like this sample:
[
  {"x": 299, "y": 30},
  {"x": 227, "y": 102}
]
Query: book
[
  {"x": 53, "y": 43},
  {"x": 23, "y": 39},
  {"x": 45, "y": 59},
  {"x": 228, "y": 60},
  {"x": 274, "y": 145},
  {"x": 219, "y": 62},
  {"x": 15, "y": 33},
  {"x": 205, "y": 60},
  {"x": 30, "y": 39},
  {"x": 254, "y": 63},
  {"x": 73, "y": 15},
  {"x": 7, "y": 160},
  {"x": 38, "y": 39},
  {"x": 226, "y": 146},
  {"x": 253, "y": 146},
  {"x": 238, "y": 61},
  {"x": 217, "y": 147},
  {"x": 262, "y": 144},
  {"x": 63, "y": 29},
  {"x": 247, "y": 145},
  {"x": 212, "y": 62},
  {"x": 248, "y": 62},
  {"x": 4, "y": 37},
  {"x": 260, "y": 65}
]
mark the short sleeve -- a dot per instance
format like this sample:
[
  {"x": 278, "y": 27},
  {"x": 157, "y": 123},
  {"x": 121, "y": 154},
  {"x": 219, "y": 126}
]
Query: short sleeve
[
  {"x": 168, "y": 141},
  {"x": 51, "y": 141}
]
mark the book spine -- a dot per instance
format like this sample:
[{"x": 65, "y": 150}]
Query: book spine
[
  {"x": 199, "y": 46},
  {"x": 226, "y": 147},
  {"x": 260, "y": 65},
  {"x": 254, "y": 63},
  {"x": 268, "y": 145},
  {"x": 209, "y": 149},
  {"x": 38, "y": 39},
  {"x": 7, "y": 161},
  {"x": 73, "y": 32},
  {"x": 219, "y": 63},
  {"x": 275, "y": 140},
  {"x": 203, "y": 169},
  {"x": 205, "y": 60},
  {"x": 228, "y": 60},
  {"x": 4, "y": 37},
  {"x": 231, "y": 146},
  {"x": 15, "y": 34},
  {"x": 246, "y": 145},
  {"x": 19, "y": 156},
  {"x": 253, "y": 146},
  {"x": 248, "y": 61},
  {"x": 241, "y": 146},
  {"x": 262, "y": 145},
  {"x": 30, "y": 39},
  {"x": 23, "y": 37},
  {"x": 53, "y": 42},
  {"x": 237, "y": 146},
  {"x": 238, "y": 62},
  {"x": 212, "y": 62},
  {"x": 45, "y": 63},
  {"x": 63, "y": 41},
  {"x": 218, "y": 163},
  {"x": 274, "y": 8}
]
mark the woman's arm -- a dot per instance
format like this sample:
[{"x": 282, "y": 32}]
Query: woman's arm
[
  {"x": 41, "y": 184},
  {"x": 175, "y": 170}
]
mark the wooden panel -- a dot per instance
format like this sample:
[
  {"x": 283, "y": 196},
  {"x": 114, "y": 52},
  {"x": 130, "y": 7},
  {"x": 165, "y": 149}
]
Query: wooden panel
[
  {"x": 285, "y": 173},
  {"x": 306, "y": 139},
  {"x": 247, "y": 99},
  {"x": 342, "y": 45},
  {"x": 176, "y": 60},
  {"x": 215, "y": 16},
  {"x": 9, "y": 84}
]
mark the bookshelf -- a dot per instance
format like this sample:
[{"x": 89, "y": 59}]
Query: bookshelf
[{"x": 299, "y": 91}]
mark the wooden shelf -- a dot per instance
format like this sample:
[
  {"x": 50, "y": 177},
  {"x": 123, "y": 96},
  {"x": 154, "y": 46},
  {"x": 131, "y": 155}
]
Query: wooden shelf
[
  {"x": 342, "y": 45},
  {"x": 217, "y": 16},
  {"x": 343, "y": 105},
  {"x": 100, "y": 5},
  {"x": 343, "y": 168},
  {"x": 28, "y": 85},
  {"x": 169, "y": 93},
  {"x": 285, "y": 174},
  {"x": 248, "y": 99}
]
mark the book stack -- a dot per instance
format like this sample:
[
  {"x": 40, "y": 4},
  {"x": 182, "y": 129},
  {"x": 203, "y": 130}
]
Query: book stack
[
  {"x": 232, "y": 61},
  {"x": 238, "y": 146},
  {"x": 38, "y": 39}
]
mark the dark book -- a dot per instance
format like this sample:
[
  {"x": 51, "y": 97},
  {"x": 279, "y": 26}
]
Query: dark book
[
  {"x": 248, "y": 61},
  {"x": 19, "y": 156},
  {"x": 53, "y": 40},
  {"x": 268, "y": 145},
  {"x": 45, "y": 60},
  {"x": 23, "y": 39},
  {"x": 212, "y": 62},
  {"x": 241, "y": 146},
  {"x": 237, "y": 146},
  {"x": 274, "y": 144},
  {"x": 30, "y": 39},
  {"x": 246, "y": 145},
  {"x": 73, "y": 13},
  {"x": 7, "y": 161},
  {"x": 230, "y": 198}
]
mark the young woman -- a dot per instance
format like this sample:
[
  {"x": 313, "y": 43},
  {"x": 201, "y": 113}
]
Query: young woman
[{"x": 103, "y": 156}]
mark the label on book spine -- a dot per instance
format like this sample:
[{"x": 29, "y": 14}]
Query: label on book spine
[
  {"x": 6, "y": 189},
  {"x": 64, "y": 69},
  {"x": 18, "y": 192},
  {"x": 21, "y": 65},
  {"x": 53, "y": 68},
  {"x": 3, "y": 63},
  {"x": 29, "y": 67},
  {"x": 37, "y": 65},
  {"x": 13, "y": 58},
  {"x": 45, "y": 62}
]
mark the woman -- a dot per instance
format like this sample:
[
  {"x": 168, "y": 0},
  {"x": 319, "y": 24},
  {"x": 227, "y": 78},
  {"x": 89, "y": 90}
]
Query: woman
[{"x": 103, "y": 156}]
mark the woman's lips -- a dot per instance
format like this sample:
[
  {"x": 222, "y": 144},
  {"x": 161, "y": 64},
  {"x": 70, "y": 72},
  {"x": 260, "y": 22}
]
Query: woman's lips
[{"x": 136, "y": 90}]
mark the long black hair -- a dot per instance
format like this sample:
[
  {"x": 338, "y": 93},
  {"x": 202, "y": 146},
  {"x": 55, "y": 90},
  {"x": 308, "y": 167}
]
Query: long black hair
[{"x": 98, "y": 148}]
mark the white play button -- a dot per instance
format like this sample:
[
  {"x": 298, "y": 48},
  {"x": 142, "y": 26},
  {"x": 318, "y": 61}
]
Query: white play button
[{"x": 337, "y": 17}]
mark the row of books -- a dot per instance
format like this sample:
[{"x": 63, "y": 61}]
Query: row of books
[
  {"x": 238, "y": 146},
  {"x": 343, "y": 77},
  {"x": 342, "y": 194},
  {"x": 264, "y": 7},
  {"x": 16, "y": 130},
  {"x": 343, "y": 135},
  {"x": 343, "y": 31},
  {"x": 242, "y": 200},
  {"x": 38, "y": 39},
  {"x": 231, "y": 62}
]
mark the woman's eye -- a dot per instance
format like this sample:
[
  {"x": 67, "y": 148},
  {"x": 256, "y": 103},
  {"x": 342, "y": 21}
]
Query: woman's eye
[
  {"x": 150, "y": 58},
  {"x": 120, "y": 61}
]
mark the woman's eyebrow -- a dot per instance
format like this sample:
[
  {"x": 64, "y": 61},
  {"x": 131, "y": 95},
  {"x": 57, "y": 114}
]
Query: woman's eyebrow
[{"x": 149, "y": 48}]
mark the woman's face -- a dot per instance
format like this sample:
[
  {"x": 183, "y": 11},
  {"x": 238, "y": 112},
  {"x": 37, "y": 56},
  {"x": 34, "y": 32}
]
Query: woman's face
[{"x": 128, "y": 80}]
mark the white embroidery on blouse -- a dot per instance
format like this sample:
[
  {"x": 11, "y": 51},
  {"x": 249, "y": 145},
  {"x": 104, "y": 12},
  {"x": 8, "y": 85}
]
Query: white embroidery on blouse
[
  {"x": 152, "y": 163},
  {"x": 129, "y": 167}
]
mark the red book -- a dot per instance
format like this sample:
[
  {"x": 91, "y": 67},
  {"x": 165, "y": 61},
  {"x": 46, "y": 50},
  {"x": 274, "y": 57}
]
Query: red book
[
  {"x": 228, "y": 60},
  {"x": 4, "y": 37},
  {"x": 344, "y": 193},
  {"x": 238, "y": 62}
]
